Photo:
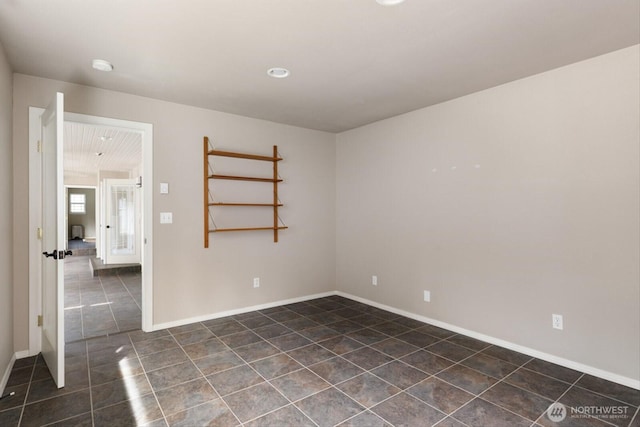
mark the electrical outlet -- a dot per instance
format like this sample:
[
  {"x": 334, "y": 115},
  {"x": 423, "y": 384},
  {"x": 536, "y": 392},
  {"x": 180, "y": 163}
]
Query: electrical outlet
[
  {"x": 556, "y": 321},
  {"x": 427, "y": 296},
  {"x": 256, "y": 282},
  {"x": 374, "y": 280}
]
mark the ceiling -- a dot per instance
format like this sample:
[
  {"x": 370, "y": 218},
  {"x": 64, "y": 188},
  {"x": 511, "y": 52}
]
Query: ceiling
[
  {"x": 352, "y": 62},
  {"x": 120, "y": 151}
]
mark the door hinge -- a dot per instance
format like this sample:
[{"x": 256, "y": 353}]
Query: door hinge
[
  {"x": 39, "y": 233},
  {"x": 39, "y": 319},
  {"x": 39, "y": 146}
]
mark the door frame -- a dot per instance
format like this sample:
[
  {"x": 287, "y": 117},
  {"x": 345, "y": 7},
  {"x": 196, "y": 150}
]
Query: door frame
[{"x": 35, "y": 216}]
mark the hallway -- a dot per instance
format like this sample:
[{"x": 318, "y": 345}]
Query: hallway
[{"x": 98, "y": 306}]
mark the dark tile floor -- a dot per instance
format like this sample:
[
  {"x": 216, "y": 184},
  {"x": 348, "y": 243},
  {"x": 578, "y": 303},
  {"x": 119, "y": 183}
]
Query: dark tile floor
[
  {"x": 325, "y": 362},
  {"x": 97, "y": 306}
]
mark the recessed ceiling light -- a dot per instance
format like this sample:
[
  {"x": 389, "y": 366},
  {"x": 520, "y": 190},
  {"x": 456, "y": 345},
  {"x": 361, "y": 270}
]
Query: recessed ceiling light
[
  {"x": 102, "y": 65},
  {"x": 106, "y": 138},
  {"x": 278, "y": 72},
  {"x": 389, "y": 2}
]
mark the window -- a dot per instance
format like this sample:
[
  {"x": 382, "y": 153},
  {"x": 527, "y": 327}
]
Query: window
[{"x": 77, "y": 204}]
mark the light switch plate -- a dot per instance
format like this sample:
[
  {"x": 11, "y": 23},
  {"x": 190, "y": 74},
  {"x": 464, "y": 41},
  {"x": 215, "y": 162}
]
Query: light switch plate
[
  {"x": 164, "y": 188},
  {"x": 166, "y": 217}
]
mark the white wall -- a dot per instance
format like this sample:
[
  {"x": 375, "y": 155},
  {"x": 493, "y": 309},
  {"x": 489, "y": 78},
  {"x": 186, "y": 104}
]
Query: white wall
[
  {"x": 189, "y": 280},
  {"x": 6, "y": 217},
  {"x": 547, "y": 223}
]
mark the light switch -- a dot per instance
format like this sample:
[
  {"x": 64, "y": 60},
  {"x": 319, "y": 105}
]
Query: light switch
[
  {"x": 166, "y": 217},
  {"x": 164, "y": 188}
]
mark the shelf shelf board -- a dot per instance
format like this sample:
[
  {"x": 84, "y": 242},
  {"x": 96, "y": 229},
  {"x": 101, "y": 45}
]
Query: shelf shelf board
[
  {"x": 244, "y": 204},
  {"x": 243, "y": 178},
  {"x": 220, "y": 230},
  {"x": 243, "y": 156}
]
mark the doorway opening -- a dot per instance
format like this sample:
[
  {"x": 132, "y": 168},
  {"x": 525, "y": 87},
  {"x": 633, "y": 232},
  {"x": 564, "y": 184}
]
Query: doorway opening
[{"x": 86, "y": 168}]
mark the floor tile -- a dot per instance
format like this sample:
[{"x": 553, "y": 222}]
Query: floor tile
[
  {"x": 56, "y": 408},
  {"x": 299, "y": 384},
  {"x": 300, "y": 323},
  {"x": 193, "y": 337},
  {"x": 365, "y": 419},
  {"x": 406, "y": 410},
  {"x": 204, "y": 348},
  {"x": 367, "y": 336},
  {"x": 117, "y": 391},
  {"x": 163, "y": 359},
  {"x": 341, "y": 344},
  {"x": 417, "y": 338},
  {"x": 367, "y": 358},
  {"x": 440, "y": 395},
  {"x": 552, "y": 370},
  {"x": 136, "y": 411},
  {"x": 173, "y": 375},
  {"x": 10, "y": 417},
  {"x": 232, "y": 380},
  {"x": 391, "y": 328},
  {"x": 507, "y": 355},
  {"x": 467, "y": 379},
  {"x": 256, "y": 351},
  {"x": 450, "y": 351},
  {"x": 47, "y": 388},
  {"x": 427, "y": 361},
  {"x": 582, "y": 399},
  {"x": 253, "y": 402},
  {"x": 289, "y": 342},
  {"x": 468, "y": 342},
  {"x": 218, "y": 362},
  {"x": 336, "y": 370},
  {"x": 522, "y": 402},
  {"x": 368, "y": 390},
  {"x": 145, "y": 348},
  {"x": 537, "y": 383},
  {"x": 272, "y": 331},
  {"x": 400, "y": 374},
  {"x": 310, "y": 354},
  {"x": 227, "y": 328},
  {"x": 214, "y": 414},
  {"x": 394, "y": 347},
  {"x": 319, "y": 333},
  {"x": 240, "y": 339},
  {"x": 489, "y": 365},
  {"x": 185, "y": 396},
  {"x": 342, "y": 407},
  {"x": 613, "y": 390},
  {"x": 105, "y": 373},
  {"x": 275, "y": 366},
  {"x": 482, "y": 413},
  {"x": 287, "y": 416},
  {"x": 435, "y": 331}
]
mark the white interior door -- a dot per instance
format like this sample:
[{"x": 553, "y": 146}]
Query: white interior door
[
  {"x": 53, "y": 239},
  {"x": 122, "y": 221}
]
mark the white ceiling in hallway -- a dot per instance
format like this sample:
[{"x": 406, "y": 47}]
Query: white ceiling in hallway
[
  {"x": 121, "y": 150},
  {"x": 352, "y": 62}
]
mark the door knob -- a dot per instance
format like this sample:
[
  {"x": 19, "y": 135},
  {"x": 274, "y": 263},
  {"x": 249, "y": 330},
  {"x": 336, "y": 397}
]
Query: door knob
[{"x": 53, "y": 254}]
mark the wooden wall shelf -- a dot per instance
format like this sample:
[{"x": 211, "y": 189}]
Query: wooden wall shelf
[{"x": 274, "y": 180}]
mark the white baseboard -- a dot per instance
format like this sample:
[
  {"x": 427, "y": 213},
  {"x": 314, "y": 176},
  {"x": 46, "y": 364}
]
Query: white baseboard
[
  {"x": 220, "y": 314},
  {"x": 596, "y": 372},
  {"x": 7, "y": 372}
]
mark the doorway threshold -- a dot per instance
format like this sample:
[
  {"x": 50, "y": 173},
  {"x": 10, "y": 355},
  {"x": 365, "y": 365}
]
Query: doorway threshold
[{"x": 98, "y": 268}]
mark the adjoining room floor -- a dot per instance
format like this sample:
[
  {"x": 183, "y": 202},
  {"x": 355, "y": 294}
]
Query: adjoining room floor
[
  {"x": 325, "y": 362},
  {"x": 97, "y": 306}
]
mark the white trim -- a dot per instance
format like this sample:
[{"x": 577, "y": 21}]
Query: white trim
[
  {"x": 24, "y": 353},
  {"x": 35, "y": 220},
  {"x": 220, "y": 314},
  {"x": 7, "y": 373},
  {"x": 596, "y": 372}
]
